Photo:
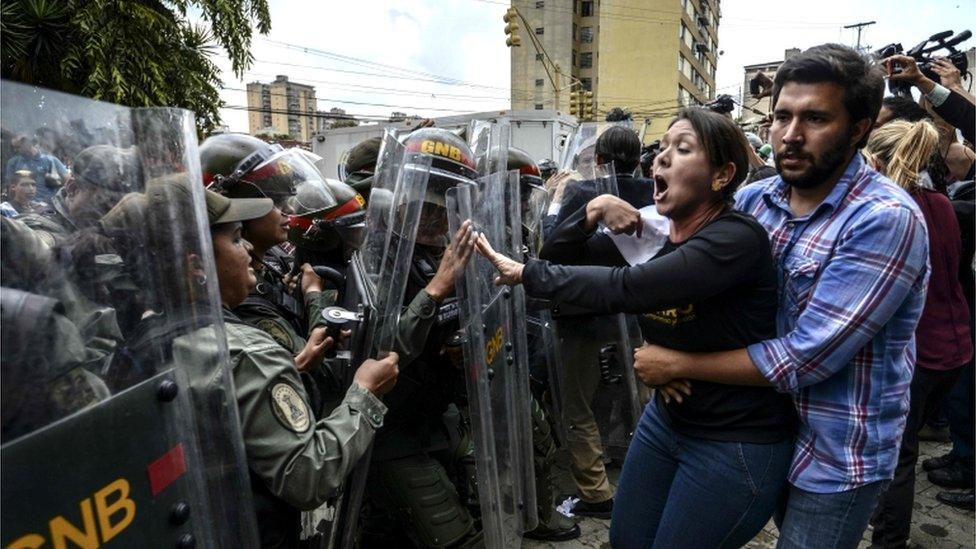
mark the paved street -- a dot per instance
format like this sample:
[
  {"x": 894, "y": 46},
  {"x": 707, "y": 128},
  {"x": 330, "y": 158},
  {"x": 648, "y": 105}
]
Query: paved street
[{"x": 934, "y": 525}]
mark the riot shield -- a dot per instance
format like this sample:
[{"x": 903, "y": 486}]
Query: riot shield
[
  {"x": 111, "y": 435},
  {"x": 543, "y": 347},
  {"x": 380, "y": 269},
  {"x": 495, "y": 349},
  {"x": 609, "y": 341},
  {"x": 491, "y": 368}
]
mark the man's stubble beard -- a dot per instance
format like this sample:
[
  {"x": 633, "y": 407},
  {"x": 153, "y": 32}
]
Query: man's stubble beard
[{"x": 820, "y": 167}]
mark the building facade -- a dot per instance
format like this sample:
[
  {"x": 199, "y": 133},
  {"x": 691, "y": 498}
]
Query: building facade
[
  {"x": 649, "y": 57},
  {"x": 282, "y": 107},
  {"x": 750, "y": 116}
]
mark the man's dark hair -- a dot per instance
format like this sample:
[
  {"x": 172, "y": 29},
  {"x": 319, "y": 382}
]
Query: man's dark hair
[
  {"x": 621, "y": 146},
  {"x": 905, "y": 108},
  {"x": 722, "y": 140},
  {"x": 861, "y": 78}
]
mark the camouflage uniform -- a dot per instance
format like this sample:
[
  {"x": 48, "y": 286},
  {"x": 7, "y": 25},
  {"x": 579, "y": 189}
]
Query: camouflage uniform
[{"x": 297, "y": 461}]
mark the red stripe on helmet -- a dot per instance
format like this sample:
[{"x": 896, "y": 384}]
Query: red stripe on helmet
[{"x": 353, "y": 205}]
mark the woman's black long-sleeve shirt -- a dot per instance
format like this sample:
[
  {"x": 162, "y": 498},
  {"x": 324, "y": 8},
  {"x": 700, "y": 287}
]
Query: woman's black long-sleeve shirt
[{"x": 715, "y": 291}]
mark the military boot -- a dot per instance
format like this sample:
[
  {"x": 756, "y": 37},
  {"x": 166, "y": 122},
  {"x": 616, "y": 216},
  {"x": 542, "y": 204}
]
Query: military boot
[{"x": 553, "y": 525}]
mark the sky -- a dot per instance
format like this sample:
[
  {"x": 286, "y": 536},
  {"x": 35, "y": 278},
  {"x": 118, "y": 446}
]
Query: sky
[{"x": 373, "y": 57}]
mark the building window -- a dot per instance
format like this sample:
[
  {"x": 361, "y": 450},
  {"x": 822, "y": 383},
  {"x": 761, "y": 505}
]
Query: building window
[
  {"x": 586, "y": 60},
  {"x": 574, "y": 58},
  {"x": 587, "y": 8},
  {"x": 538, "y": 106},
  {"x": 586, "y": 35},
  {"x": 538, "y": 57},
  {"x": 587, "y": 83},
  {"x": 684, "y": 66},
  {"x": 686, "y": 36},
  {"x": 540, "y": 30},
  {"x": 574, "y": 32},
  {"x": 539, "y": 5},
  {"x": 539, "y": 82}
]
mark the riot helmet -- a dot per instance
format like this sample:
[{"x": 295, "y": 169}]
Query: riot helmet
[
  {"x": 326, "y": 213},
  {"x": 452, "y": 164},
  {"x": 529, "y": 173},
  {"x": 547, "y": 168},
  {"x": 242, "y": 166}
]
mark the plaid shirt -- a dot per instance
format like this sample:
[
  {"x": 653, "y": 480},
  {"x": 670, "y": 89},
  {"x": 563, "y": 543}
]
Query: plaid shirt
[{"x": 852, "y": 279}]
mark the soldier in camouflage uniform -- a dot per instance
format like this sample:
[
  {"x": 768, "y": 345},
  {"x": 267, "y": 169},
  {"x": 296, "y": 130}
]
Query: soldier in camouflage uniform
[
  {"x": 296, "y": 460},
  {"x": 420, "y": 483},
  {"x": 101, "y": 175}
]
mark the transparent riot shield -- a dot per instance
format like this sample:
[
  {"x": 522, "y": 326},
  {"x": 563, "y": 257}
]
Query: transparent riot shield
[
  {"x": 607, "y": 342},
  {"x": 502, "y": 440},
  {"x": 543, "y": 346},
  {"x": 579, "y": 154},
  {"x": 111, "y": 433},
  {"x": 381, "y": 268}
]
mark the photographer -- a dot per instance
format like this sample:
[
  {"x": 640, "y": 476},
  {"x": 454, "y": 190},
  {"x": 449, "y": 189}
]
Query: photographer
[{"x": 954, "y": 107}]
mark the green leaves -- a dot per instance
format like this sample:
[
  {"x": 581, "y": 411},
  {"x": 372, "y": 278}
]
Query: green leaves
[{"x": 133, "y": 52}]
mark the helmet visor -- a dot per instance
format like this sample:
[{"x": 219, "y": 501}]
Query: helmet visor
[{"x": 277, "y": 172}]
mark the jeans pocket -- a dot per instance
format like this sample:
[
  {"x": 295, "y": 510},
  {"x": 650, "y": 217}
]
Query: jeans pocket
[{"x": 754, "y": 460}]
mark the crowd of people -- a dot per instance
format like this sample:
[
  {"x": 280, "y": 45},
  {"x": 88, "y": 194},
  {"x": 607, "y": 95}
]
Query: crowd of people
[{"x": 807, "y": 312}]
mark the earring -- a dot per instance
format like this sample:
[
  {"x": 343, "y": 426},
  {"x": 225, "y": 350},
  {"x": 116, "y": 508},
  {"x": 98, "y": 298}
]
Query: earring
[
  {"x": 716, "y": 186},
  {"x": 201, "y": 280}
]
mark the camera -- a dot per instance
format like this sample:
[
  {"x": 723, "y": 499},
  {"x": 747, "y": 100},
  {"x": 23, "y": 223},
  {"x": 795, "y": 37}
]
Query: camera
[
  {"x": 922, "y": 55},
  {"x": 722, "y": 104}
]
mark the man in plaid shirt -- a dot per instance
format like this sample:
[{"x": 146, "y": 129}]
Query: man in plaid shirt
[{"x": 852, "y": 257}]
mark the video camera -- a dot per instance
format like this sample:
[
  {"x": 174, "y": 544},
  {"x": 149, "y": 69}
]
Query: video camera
[
  {"x": 722, "y": 104},
  {"x": 922, "y": 55}
]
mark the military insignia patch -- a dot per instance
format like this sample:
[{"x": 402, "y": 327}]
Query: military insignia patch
[
  {"x": 279, "y": 334},
  {"x": 290, "y": 408}
]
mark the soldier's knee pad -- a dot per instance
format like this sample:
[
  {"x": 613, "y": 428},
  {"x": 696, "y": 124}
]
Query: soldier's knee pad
[{"x": 417, "y": 492}]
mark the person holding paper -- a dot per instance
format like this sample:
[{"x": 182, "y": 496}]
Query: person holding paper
[{"x": 708, "y": 462}]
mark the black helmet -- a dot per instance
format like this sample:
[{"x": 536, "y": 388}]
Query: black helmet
[
  {"x": 529, "y": 173},
  {"x": 325, "y": 213},
  {"x": 452, "y": 163},
  {"x": 534, "y": 198},
  {"x": 547, "y": 168},
  {"x": 360, "y": 159},
  {"x": 242, "y": 166},
  {"x": 452, "y": 160}
]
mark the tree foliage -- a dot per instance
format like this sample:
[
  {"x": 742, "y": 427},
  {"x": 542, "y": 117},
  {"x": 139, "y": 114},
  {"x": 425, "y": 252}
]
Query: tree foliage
[{"x": 139, "y": 53}]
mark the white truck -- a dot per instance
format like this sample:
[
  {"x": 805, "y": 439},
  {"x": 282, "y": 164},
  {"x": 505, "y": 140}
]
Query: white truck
[{"x": 542, "y": 134}]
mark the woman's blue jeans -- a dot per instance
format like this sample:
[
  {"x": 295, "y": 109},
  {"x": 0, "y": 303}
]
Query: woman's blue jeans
[{"x": 677, "y": 491}]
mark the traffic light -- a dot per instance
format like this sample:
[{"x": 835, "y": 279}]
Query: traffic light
[
  {"x": 574, "y": 103},
  {"x": 588, "y": 105},
  {"x": 512, "y": 28}
]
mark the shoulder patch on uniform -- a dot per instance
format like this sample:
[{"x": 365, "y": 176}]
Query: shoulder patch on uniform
[
  {"x": 278, "y": 333},
  {"x": 290, "y": 408}
]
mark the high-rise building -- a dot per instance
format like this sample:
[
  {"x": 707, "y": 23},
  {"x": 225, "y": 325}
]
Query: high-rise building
[
  {"x": 282, "y": 107},
  {"x": 646, "y": 56}
]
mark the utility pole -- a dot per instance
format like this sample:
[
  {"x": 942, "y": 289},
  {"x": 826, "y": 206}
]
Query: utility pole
[{"x": 859, "y": 26}]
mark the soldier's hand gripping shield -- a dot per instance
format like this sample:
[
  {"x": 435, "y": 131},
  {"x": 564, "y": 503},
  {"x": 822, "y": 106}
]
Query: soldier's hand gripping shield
[
  {"x": 119, "y": 418},
  {"x": 493, "y": 319},
  {"x": 381, "y": 270}
]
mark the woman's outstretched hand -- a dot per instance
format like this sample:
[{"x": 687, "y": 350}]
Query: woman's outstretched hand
[{"x": 509, "y": 270}]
